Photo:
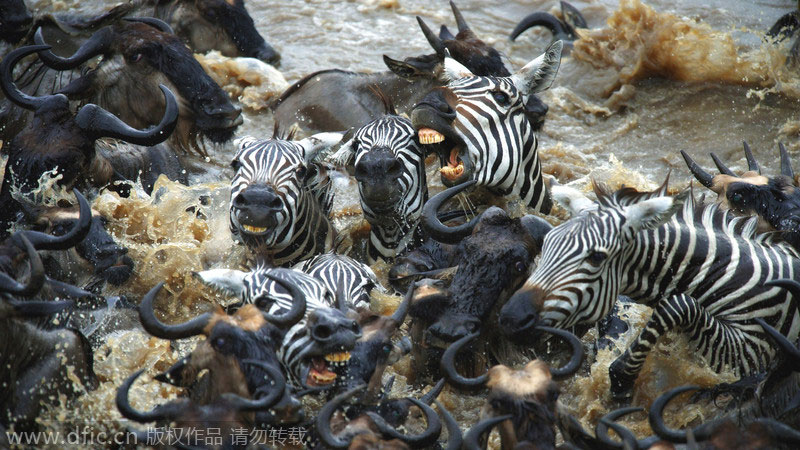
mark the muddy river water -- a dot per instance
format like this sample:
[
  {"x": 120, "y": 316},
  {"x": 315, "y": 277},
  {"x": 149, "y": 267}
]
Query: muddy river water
[{"x": 644, "y": 82}]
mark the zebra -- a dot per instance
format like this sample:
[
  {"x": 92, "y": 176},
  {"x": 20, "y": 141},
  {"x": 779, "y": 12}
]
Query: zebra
[
  {"x": 332, "y": 285},
  {"x": 479, "y": 128},
  {"x": 702, "y": 269},
  {"x": 350, "y": 281},
  {"x": 389, "y": 165},
  {"x": 280, "y": 199}
]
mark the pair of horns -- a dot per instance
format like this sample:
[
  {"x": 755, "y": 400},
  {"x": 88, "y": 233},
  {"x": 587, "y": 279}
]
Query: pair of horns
[
  {"x": 707, "y": 180},
  {"x": 436, "y": 41}
]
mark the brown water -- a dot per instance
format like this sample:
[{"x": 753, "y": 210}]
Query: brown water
[{"x": 643, "y": 83}]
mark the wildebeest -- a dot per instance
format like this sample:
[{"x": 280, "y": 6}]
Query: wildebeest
[
  {"x": 15, "y": 21},
  {"x": 206, "y": 25},
  {"x": 334, "y": 100},
  {"x": 786, "y": 27},
  {"x": 74, "y": 159},
  {"x": 38, "y": 364},
  {"x": 775, "y": 200},
  {"x": 216, "y": 367}
]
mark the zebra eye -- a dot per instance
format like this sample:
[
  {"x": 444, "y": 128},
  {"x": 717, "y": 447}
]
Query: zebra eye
[
  {"x": 597, "y": 257},
  {"x": 501, "y": 98},
  {"x": 236, "y": 164},
  {"x": 262, "y": 302},
  {"x": 301, "y": 172}
]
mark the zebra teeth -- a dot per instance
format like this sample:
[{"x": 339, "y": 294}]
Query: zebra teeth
[
  {"x": 452, "y": 172},
  {"x": 429, "y": 136},
  {"x": 338, "y": 357},
  {"x": 253, "y": 229}
]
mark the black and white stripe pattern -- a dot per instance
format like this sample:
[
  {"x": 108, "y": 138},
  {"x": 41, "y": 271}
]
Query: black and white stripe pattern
[
  {"x": 349, "y": 280},
  {"x": 303, "y": 228},
  {"x": 392, "y": 227},
  {"x": 500, "y": 140},
  {"x": 703, "y": 271}
]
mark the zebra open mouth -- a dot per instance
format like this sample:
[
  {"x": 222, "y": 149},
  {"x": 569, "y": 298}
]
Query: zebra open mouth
[
  {"x": 319, "y": 370},
  {"x": 456, "y": 165}
]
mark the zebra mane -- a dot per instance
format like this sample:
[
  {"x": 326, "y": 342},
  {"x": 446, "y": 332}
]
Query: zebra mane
[{"x": 626, "y": 195}]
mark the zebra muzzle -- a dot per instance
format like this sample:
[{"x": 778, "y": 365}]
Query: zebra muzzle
[{"x": 429, "y": 136}]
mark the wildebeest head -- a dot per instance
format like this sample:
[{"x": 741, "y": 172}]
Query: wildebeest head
[
  {"x": 271, "y": 192},
  {"x": 15, "y": 21},
  {"x": 563, "y": 29},
  {"x": 137, "y": 57},
  {"x": 59, "y": 140},
  {"x": 775, "y": 200},
  {"x": 230, "y": 339},
  {"x": 223, "y": 25},
  {"x": 495, "y": 254},
  {"x": 475, "y": 122}
]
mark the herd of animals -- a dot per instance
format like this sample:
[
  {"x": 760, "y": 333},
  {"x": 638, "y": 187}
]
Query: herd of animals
[{"x": 721, "y": 272}]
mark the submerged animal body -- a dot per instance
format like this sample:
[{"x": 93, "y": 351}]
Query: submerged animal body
[{"x": 704, "y": 272}]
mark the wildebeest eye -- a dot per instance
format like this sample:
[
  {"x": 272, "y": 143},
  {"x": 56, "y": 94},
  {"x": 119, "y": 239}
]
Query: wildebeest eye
[
  {"x": 136, "y": 57},
  {"x": 521, "y": 266},
  {"x": 596, "y": 257},
  {"x": 501, "y": 98},
  {"x": 219, "y": 342},
  {"x": 387, "y": 348},
  {"x": 736, "y": 198}
]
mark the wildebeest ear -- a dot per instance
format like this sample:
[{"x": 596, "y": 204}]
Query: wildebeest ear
[
  {"x": 537, "y": 228},
  {"x": 572, "y": 200},
  {"x": 539, "y": 74},
  {"x": 453, "y": 69},
  {"x": 402, "y": 69},
  {"x": 317, "y": 146},
  {"x": 226, "y": 280},
  {"x": 572, "y": 16}
]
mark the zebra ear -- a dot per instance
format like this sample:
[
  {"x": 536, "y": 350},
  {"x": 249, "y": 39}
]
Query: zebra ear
[
  {"x": 651, "y": 213},
  {"x": 316, "y": 145},
  {"x": 572, "y": 200},
  {"x": 454, "y": 70},
  {"x": 539, "y": 74},
  {"x": 228, "y": 281}
]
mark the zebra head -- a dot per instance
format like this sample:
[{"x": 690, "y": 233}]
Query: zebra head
[
  {"x": 479, "y": 128},
  {"x": 349, "y": 281},
  {"x": 390, "y": 170},
  {"x": 579, "y": 275},
  {"x": 279, "y": 197}
]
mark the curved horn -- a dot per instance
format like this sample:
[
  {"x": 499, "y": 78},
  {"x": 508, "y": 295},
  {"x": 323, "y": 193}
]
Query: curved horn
[
  {"x": 275, "y": 394},
  {"x": 786, "y": 162},
  {"x": 460, "y": 22},
  {"x": 473, "y": 436},
  {"x": 160, "y": 412},
  {"x": 783, "y": 344},
  {"x": 575, "y": 360},
  {"x": 628, "y": 439},
  {"x": 702, "y": 176},
  {"x": 43, "y": 241},
  {"x": 780, "y": 432},
  {"x": 158, "y": 24},
  {"x": 436, "y": 229},
  {"x": 324, "y": 419},
  {"x": 657, "y": 420},
  {"x": 400, "y": 313},
  {"x": 543, "y": 19},
  {"x": 10, "y": 90},
  {"x": 445, "y": 34},
  {"x": 601, "y": 429},
  {"x": 448, "y": 366},
  {"x": 35, "y": 280},
  {"x": 454, "y": 436},
  {"x": 95, "y": 45},
  {"x": 434, "y": 40},
  {"x": 298, "y": 310},
  {"x": 721, "y": 166},
  {"x": 431, "y": 395},
  {"x": 101, "y": 123},
  {"x": 161, "y": 330},
  {"x": 424, "y": 439},
  {"x": 33, "y": 308},
  {"x": 752, "y": 164}
]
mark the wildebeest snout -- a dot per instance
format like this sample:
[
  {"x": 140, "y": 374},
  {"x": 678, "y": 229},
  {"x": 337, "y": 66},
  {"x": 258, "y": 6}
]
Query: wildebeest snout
[
  {"x": 520, "y": 314},
  {"x": 332, "y": 329},
  {"x": 453, "y": 327}
]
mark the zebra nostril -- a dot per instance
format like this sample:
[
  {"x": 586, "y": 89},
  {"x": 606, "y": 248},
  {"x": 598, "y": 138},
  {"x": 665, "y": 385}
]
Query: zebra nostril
[
  {"x": 275, "y": 203},
  {"x": 321, "y": 332}
]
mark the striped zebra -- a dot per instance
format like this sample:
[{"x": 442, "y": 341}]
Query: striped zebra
[
  {"x": 702, "y": 270},
  {"x": 280, "y": 200},
  {"x": 479, "y": 128},
  {"x": 349, "y": 280},
  {"x": 389, "y": 166},
  {"x": 315, "y": 350}
]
